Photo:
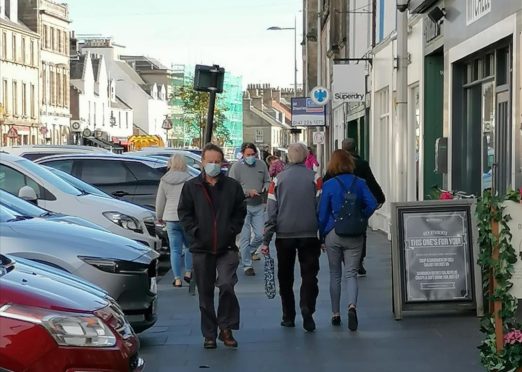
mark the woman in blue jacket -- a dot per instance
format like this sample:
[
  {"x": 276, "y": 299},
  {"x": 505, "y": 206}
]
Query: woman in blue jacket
[{"x": 342, "y": 249}]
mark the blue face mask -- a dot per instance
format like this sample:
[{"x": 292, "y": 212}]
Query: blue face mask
[
  {"x": 250, "y": 160},
  {"x": 212, "y": 169}
]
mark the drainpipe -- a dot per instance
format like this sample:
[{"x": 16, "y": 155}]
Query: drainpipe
[
  {"x": 320, "y": 148},
  {"x": 401, "y": 129}
]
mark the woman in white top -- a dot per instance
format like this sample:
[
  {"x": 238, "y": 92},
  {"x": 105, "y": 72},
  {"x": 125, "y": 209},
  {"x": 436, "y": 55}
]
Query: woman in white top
[{"x": 167, "y": 201}]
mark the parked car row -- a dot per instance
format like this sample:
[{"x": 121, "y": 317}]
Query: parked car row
[{"x": 78, "y": 270}]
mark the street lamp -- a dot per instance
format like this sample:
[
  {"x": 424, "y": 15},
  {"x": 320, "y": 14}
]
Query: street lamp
[{"x": 277, "y": 28}]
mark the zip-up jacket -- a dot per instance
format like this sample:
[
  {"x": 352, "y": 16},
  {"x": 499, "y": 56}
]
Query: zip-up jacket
[
  {"x": 292, "y": 203},
  {"x": 212, "y": 216}
]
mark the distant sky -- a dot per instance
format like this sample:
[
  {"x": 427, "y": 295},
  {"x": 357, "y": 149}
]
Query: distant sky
[{"x": 231, "y": 33}]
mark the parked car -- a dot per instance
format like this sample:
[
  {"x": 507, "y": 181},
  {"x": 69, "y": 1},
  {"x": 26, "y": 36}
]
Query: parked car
[
  {"x": 68, "y": 328},
  {"x": 33, "y": 152},
  {"x": 31, "y": 210},
  {"x": 78, "y": 183},
  {"x": 192, "y": 157},
  {"x": 193, "y": 160},
  {"x": 54, "y": 194},
  {"x": 125, "y": 269},
  {"x": 130, "y": 178}
]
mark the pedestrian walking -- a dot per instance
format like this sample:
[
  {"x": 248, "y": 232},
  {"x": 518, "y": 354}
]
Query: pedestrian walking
[
  {"x": 311, "y": 161},
  {"x": 292, "y": 202},
  {"x": 362, "y": 170},
  {"x": 343, "y": 248},
  {"x": 252, "y": 174},
  {"x": 212, "y": 211},
  {"x": 276, "y": 165},
  {"x": 167, "y": 200}
]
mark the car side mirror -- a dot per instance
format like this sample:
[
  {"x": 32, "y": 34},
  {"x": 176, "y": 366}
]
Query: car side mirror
[{"x": 28, "y": 194}]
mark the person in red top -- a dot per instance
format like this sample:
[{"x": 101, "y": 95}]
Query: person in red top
[{"x": 311, "y": 160}]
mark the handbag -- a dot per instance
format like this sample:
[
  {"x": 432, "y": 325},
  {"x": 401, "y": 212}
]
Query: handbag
[
  {"x": 350, "y": 220},
  {"x": 270, "y": 287}
]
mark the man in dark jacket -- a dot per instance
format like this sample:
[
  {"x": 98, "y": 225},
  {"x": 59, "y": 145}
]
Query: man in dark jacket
[
  {"x": 212, "y": 211},
  {"x": 362, "y": 170}
]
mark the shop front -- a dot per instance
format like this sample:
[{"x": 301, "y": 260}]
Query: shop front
[{"x": 483, "y": 83}]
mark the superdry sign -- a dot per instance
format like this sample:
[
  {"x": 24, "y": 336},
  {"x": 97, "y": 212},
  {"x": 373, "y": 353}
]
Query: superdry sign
[{"x": 348, "y": 83}]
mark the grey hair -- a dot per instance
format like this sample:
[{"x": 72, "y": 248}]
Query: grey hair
[
  {"x": 177, "y": 163},
  {"x": 297, "y": 153}
]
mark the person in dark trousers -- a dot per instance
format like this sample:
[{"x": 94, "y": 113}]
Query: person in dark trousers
[
  {"x": 362, "y": 170},
  {"x": 292, "y": 203},
  {"x": 212, "y": 212}
]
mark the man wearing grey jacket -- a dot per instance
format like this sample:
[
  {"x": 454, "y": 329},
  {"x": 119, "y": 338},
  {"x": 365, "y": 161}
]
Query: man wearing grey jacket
[
  {"x": 292, "y": 205},
  {"x": 252, "y": 174}
]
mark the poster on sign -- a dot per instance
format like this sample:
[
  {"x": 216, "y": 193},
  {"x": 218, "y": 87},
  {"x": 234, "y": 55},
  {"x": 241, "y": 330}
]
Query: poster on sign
[
  {"x": 306, "y": 113},
  {"x": 436, "y": 256}
]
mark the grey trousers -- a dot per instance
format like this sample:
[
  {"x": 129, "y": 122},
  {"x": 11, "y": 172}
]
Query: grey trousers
[
  {"x": 345, "y": 250},
  {"x": 205, "y": 267}
]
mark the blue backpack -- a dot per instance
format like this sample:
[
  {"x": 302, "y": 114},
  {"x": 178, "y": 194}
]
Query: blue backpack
[{"x": 350, "y": 220}]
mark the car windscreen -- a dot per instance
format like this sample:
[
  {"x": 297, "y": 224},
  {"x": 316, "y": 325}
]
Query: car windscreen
[
  {"x": 48, "y": 177},
  {"x": 19, "y": 205},
  {"x": 7, "y": 214},
  {"x": 77, "y": 183}
]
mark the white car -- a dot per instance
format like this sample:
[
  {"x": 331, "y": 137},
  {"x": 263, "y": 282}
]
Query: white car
[
  {"x": 54, "y": 194},
  {"x": 33, "y": 152}
]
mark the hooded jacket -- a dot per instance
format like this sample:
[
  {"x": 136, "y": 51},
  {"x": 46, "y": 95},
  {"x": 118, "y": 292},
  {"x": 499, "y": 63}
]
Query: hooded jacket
[{"x": 169, "y": 192}]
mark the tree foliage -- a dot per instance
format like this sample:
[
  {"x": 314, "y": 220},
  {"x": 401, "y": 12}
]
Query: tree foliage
[{"x": 194, "y": 105}]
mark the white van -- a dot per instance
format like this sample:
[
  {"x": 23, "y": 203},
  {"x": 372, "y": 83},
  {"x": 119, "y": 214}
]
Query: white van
[
  {"x": 33, "y": 152},
  {"x": 53, "y": 193}
]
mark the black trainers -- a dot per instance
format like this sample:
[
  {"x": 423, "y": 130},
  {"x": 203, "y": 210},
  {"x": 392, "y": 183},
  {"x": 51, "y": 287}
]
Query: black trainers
[
  {"x": 336, "y": 320},
  {"x": 308, "y": 323},
  {"x": 288, "y": 323},
  {"x": 361, "y": 271},
  {"x": 352, "y": 319}
]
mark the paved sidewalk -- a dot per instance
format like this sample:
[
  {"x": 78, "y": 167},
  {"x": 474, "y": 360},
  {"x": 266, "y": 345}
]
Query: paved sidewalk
[{"x": 420, "y": 342}]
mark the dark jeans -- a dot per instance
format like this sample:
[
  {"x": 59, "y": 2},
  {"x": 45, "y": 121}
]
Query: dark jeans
[
  {"x": 363, "y": 255},
  {"x": 308, "y": 251},
  {"x": 205, "y": 267}
]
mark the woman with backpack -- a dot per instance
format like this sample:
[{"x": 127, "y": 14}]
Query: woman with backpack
[{"x": 345, "y": 206}]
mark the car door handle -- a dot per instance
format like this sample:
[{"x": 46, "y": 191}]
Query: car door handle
[{"x": 120, "y": 194}]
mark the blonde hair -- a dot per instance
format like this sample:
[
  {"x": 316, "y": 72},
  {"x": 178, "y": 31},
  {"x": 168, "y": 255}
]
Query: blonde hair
[{"x": 177, "y": 163}]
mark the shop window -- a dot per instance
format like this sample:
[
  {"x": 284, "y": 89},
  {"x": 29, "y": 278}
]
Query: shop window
[{"x": 503, "y": 62}]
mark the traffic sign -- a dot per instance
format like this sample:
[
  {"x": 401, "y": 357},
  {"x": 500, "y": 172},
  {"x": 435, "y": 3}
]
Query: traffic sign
[
  {"x": 318, "y": 138},
  {"x": 12, "y": 133}
]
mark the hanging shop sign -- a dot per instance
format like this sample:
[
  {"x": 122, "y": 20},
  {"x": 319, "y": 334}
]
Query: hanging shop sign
[
  {"x": 306, "y": 113},
  {"x": 348, "y": 83},
  {"x": 320, "y": 96},
  {"x": 433, "y": 256}
]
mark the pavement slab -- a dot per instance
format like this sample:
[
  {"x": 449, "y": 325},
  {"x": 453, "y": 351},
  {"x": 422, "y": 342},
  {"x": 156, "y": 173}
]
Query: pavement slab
[{"x": 420, "y": 342}]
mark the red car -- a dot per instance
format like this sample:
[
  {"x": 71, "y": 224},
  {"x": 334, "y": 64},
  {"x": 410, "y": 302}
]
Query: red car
[{"x": 50, "y": 323}]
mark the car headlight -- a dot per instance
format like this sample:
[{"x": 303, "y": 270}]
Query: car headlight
[
  {"x": 67, "y": 329},
  {"x": 123, "y": 220},
  {"x": 116, "y": 266}
]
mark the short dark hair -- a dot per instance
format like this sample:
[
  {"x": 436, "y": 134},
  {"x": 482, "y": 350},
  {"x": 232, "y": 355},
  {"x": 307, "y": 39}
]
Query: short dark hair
[
  {"x": 349, "y": 145},
  {"x": 248, "y": 145},
  {"x": 211, "y": 147}
]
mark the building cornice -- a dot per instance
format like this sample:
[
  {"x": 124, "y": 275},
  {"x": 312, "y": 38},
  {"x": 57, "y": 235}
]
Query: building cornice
[{"x": 20, "y": 28}]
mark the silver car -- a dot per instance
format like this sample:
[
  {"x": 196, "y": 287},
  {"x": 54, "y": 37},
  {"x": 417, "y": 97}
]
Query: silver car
[
  {"x": 124, "y": 268},
  {"x": 28, "y": 209}
]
